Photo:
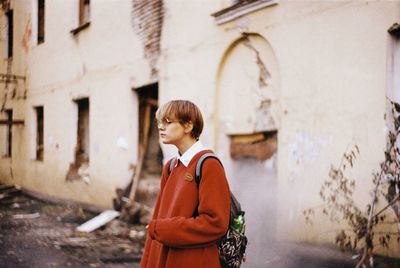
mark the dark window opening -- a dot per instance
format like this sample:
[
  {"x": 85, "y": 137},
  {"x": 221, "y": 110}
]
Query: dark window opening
[
  {"x": 41, "y": 21},
  {"x": 82, "y": 145},
  {"x": 84, "y": 11},
  {"x": 9, "y": 117},
  {"x": 79, "y": 169},
  {"x": 84, "y": 16},
  {"x": 39, "y": 133},
  {"x": 150, "y": 153},
  {"x": 10, "y": 30}
]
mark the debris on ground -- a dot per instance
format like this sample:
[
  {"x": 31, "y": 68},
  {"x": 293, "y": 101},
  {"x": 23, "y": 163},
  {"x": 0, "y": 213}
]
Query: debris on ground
[
  {"x": 34, "y": 233},
  {"x": 98, "y": 221}
]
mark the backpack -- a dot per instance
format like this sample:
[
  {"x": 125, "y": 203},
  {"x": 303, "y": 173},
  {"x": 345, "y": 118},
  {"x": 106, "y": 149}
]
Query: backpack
[{"x": 232, "y": 245}]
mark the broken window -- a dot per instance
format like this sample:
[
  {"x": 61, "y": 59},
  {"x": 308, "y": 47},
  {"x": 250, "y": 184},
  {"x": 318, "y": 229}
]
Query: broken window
[
  {"x": 393, "y": 79},
  {"x": 84, "y": 11},
  {"x": 148, "y": 132},
  {"x": 144, "y": 186},
  {"x": 82, "y": 145},
  {"x": 9, "y": 33},
  {"x": 79, "y": 169},
  {"x": 393, "y": 64},
  {"x": 83, "y": 16},
  {"x": 8, "y": 142},
  {"x": 41, "y": 21},
  {"x": 39, "y": 133}
]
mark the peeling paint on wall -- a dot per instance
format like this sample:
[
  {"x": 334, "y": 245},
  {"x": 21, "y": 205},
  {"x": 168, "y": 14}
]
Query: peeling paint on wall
[
  {"x": 254, "y": 83},
  {"x": 27, "y": 35},
  {"x": 265, "y": 76},
  {"x": 304, "y": 150},
  {"x": 122, "y": 143}
]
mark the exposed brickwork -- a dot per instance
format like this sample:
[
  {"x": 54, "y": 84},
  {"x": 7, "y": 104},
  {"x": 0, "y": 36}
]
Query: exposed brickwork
[{"x": 147, "y": 20}]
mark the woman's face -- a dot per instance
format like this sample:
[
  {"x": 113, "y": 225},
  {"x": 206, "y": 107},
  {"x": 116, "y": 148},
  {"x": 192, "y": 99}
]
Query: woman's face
[{"x": 171, "y": 131}]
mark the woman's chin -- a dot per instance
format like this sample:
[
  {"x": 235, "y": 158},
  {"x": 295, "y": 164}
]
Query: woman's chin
[{"x": 164, "y": 141}]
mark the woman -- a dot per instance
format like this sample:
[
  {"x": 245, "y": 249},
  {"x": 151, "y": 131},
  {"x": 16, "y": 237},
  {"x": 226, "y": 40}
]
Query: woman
[{"x": 188, "y": 219}]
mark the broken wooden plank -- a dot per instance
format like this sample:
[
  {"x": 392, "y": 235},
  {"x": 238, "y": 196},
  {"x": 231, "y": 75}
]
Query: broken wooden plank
[
  {"x": 7, "y": 192},
  {"x": 142, "y": 150},
  {"x": 98, "y": 221},
  {"x": 152, "y": 102},
  {"x": 12, "y": 122},
  {"x": 6, "y": 186},
  {"x": 248, "y": 138},
  {"x": 11, "y": 190},
  {"x": 26, "y": 216}
]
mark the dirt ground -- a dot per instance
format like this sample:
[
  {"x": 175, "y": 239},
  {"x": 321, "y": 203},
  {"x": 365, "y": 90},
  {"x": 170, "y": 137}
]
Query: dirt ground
[{"x": 39, "y": 234}]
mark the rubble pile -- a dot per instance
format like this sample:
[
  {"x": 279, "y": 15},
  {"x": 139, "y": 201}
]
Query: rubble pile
[{"x": 34, "y": 233}]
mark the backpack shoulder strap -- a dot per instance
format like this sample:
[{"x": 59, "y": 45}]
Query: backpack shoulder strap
[
  {"x": 171, "y": 165},
  {"x": 199, "y": 165},
  {"x": 235, "y": 206}
]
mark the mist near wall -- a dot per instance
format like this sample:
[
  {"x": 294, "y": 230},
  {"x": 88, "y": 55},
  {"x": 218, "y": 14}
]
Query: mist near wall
[{"x": 254, "y": 183}]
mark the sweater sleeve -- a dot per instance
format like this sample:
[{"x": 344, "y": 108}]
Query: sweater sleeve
[
  {"x": 213, "y": 213},
  {"x": 164, "y": 176}
]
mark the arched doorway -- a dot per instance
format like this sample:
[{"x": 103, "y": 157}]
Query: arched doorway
[{"x": 246, "y": 132}]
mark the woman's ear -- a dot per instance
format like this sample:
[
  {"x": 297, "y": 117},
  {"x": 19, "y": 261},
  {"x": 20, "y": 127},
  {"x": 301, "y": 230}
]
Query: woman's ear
[{"x": 188, "y": 127}]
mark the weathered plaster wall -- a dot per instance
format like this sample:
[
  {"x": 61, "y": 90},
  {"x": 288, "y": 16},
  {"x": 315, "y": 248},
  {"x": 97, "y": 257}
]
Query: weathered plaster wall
[
  {"x": 330, "y": 74},
  {"x": 102, "y": 62},
  {"x": 331, "y": 59}
]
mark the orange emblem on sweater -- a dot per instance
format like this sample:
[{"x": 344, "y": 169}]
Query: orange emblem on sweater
[{"x": 188, "y": 177}]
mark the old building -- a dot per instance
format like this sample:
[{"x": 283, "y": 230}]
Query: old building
[{"x": 286, "y": 87}]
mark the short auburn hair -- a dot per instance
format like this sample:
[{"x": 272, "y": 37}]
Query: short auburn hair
[{"x": 183, "y": 111}]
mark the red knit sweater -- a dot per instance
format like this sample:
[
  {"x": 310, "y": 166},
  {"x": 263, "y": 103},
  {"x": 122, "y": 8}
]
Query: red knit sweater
[{"x": 175, "y": 238}]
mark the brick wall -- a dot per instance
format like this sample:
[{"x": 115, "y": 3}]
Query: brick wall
[{"x": 147, "y": 20}]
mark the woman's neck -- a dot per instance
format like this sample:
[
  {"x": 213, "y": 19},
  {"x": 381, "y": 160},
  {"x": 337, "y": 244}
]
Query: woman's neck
[{"x": 185, "y": 144}]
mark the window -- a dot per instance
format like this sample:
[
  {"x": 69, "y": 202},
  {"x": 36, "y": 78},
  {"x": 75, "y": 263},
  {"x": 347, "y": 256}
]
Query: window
[
  {"x": 393, "y": 64},
  {"x": 41, "y": 21},
  {"x": 9, "y": 34},
  {"x": 393, "y": 69},
  {"x": 9, "y": 118},
  {"x": 79, "y": 169},
  {"x": 84, "y": 16},
  {"x": 82, "y": 146},
  {"x": 84, "y": 11},
  {"x": 39, "y": 133}
]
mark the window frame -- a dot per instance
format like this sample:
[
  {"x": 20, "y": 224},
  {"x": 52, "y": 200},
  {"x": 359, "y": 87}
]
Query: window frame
[
  {"x": 84, "y": 16},
  {"x": 10, "y": 33},
  {"x": 41, "y": 21}
]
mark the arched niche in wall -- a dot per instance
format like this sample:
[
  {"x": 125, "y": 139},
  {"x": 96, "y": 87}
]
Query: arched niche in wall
[{"x": 247, "y": 99}]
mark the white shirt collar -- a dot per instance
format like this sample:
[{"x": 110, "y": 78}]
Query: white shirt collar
[{"x": 191, "y": 152}]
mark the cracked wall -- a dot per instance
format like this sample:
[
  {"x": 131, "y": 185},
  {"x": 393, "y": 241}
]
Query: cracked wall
[{"x": 254, "y": 83}]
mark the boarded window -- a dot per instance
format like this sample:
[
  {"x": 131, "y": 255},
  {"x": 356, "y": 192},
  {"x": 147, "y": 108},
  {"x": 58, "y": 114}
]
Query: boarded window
[
  {"x": 84, "y": 11},
  {"x": 41, "y": 21},
  {"x": 82, "y": 146},
  {"x": 9, "y": 35},
  {"x": 8, "y": 142},
  {"x": 262, "y": 145},
  {"x": 39, "y": 133}
]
